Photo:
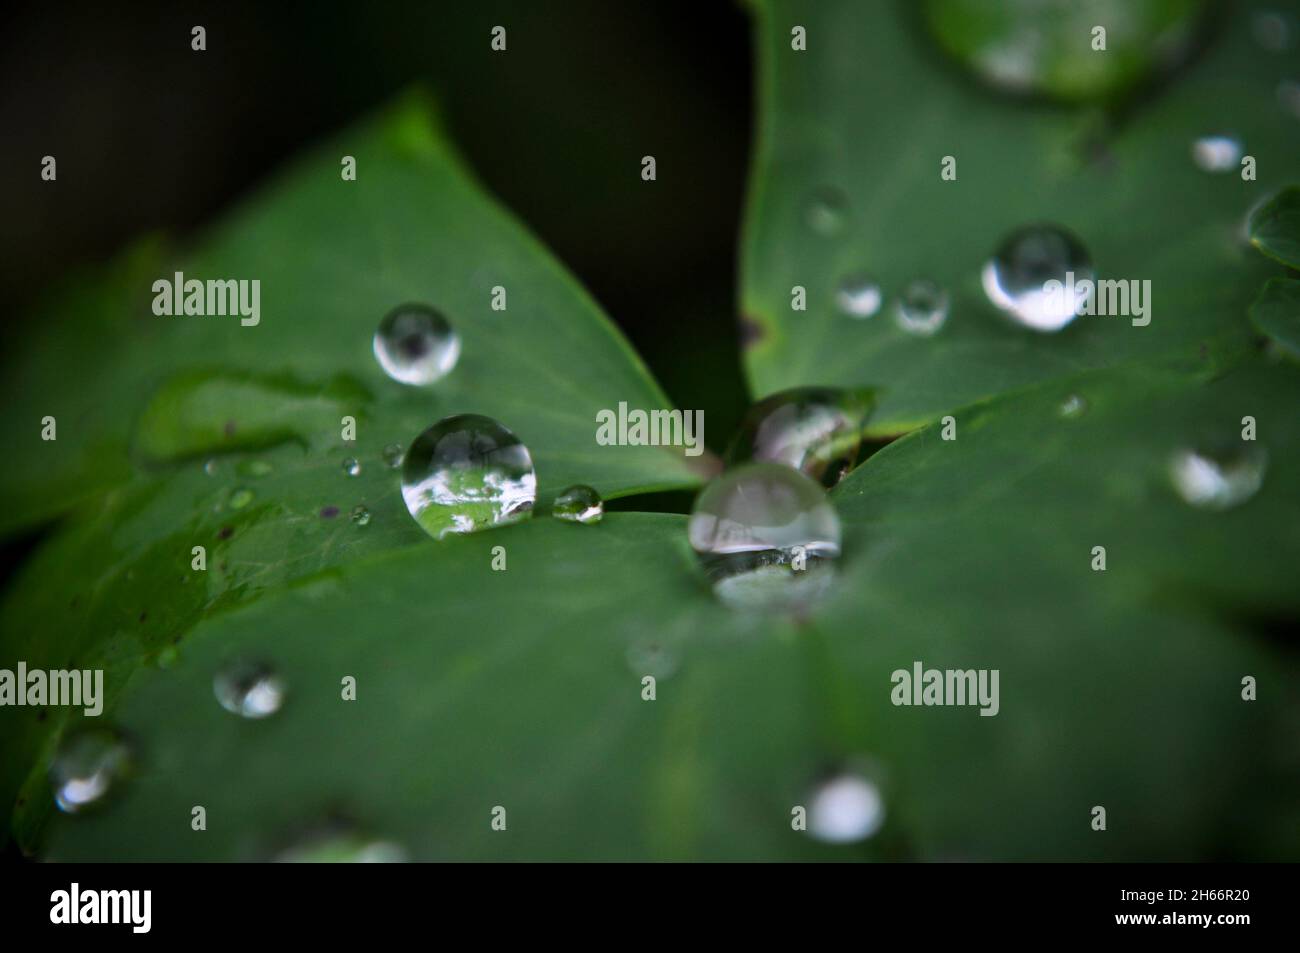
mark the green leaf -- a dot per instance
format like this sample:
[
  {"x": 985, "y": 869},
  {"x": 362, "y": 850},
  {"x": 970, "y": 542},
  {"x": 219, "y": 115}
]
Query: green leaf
[
  {"x": 866, "y": 116},
  {"x": 1276, "y": 312},
  {"x": 333, "y": 257},
  {"x": 970, "y": 553},
  {"x": 1275, "y": 227}
]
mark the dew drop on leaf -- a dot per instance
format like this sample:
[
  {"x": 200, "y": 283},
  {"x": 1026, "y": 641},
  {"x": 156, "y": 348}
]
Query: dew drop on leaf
[
  {"x": 393, "y": 454},
  {"x": 579, "y": 504},
  {"x": 922, "y": 308},
  {"x": 416, "y": 345},
  {"x": 467, "y": 473},
  {"x": 1220, "y": 479},
  {"x": 858, "y": 296},
  {"x": 816, "y": 430},
  {"x": 844, "y": 809},
  {"x": 1075, "y": 405},
  {"x": 352, "y": 466},
  {"x": 360, "y": 515},
  {"x": 87, "y": 766},
  {"x": 240, "y": 497},
  {"x": 248, "y": 689},
  {"x": 826, "y": 211},
  {"x": 1028, "y": 259},
  {"x": 766, "y": 536},
  {"x": 1216, "y": 153}
]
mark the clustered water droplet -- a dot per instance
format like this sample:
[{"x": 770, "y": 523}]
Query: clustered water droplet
[
  {"x": 1029, "y": 258},
  {"x": 858, "y": 295},
  {"x": 416, "y": 345},
  {"x": 816, "y": 430},
  {"x": 766, "y": 536},
  {"x": 579, "y": 504},
  {"x": 1218, "y": 479},
  {"x": 922, "y": 308},
  {"x": 87, "y": 766},
  {"x": 248, "y": 689},
  {"x": 845, "y": 809},
  {"x": 467, "y": 473}
]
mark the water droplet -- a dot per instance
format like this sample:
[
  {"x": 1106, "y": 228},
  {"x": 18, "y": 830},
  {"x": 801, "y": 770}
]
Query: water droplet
[
  {"x": 923, "y": 307},
  {"x": 651, "y": 657},
  {"x": 88, "y": 764},
  {"x": 352, "y": 466},
  {"x": 1288, "y": 96},
  {"x": 1219, "y": 479},
  {"x": 1075, "y": 405},
  {"x": 859, "y": 296},
  {"x": 393, "y": 455},
  {"x": 240, "y": 497},
  {"x": 467, "y": 473},
  {"x": 1216, "y": 153},
  {"x": 1028, "y": 259},
  {"x": 416, "y": 345},
  {"x": 210, "y": 468},
  {"x": 826, "y": 211},
  {"x": 845, "y": 809},
  {"x": 1271, "y": 31},
  {"x": 766, "y": 535},
  {"x": 816, "y": 430},
  {"x": 579, "y": 504},
  {"x": 360, "y": 515},
  {"x": 343, "y": 848},
  {"x": 249, "y": 689},
  {"x": 253, "y": 469}
]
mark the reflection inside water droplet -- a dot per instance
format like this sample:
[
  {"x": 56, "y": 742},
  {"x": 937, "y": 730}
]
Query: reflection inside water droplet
[
  {"x": 766, "y": 536},
  {"x": 858, "y": 296},
  {"x": 845, "y": 809},
  {"x": 922, "y": 308},
  {"x": 89, "y": 763},
  {"x": 1019, "y": 278},
  {"x": 416, "y": 345},
  {"x": 1216, "y": 153},
  {"x": 468, "y": 473},
  {"x": 248, "y": 689},
  {"x": 816, "y": 430},
  {"x": 1220, "y": 479},
  {"x": 579, "y": 504}
]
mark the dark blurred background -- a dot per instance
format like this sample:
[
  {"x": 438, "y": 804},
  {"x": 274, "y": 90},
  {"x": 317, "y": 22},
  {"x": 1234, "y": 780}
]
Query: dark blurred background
[{"x": 151, "y": 135}]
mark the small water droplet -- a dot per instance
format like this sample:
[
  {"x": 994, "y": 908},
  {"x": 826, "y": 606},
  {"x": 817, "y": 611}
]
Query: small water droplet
[
  {"x": 579, "y": 504},
  {"x": 1218, "y": 479},
  {"x": 922, "y": 308},
  {"x": 845, "y": 809},
  {"x": 416, "y": 345},
  {"x": 89, "y": 763},
  {"x": 248, "y": 689},
  {"x": 1271, "y": 30},
  {"x": 816, "y": 430},
  {"x": 755, "y": 527},
  {"x": 343, "y": 848},
  {"x": 1029, "y": 258},
  {"x": 826, "y": 211},
  {"x": 651, "y": 657},
  {"x": 240, "y": 497},
  {"x": 210, "y": 467},
  {"x": 1075, "y": 405},
  {"x": 360, "y": 515},
  {"x": 467, "y": 473},
  {"x": 352, "y": 466},
  {"x": 393, "y": 454},
  {"x": 858, "y": 295},
  {"x": 253, "y": 469},
  {"x": 1216, "y": 153}
]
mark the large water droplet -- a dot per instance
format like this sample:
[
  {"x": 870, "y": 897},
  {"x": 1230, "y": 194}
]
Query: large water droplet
[
  {"x": 1218, "y": 479},
  {"x": 416, "y": 345},
  {"x": 579, "y": 504},
  {"x": 922, "y": 308},
  {"x": 816, "y": 430},
  {"x": 858, "y": 296},
  {"x": 844, "y": 809},
  {"x": 249, "y": 689},
  {"x": 467, "y": 473},
  {"x": 766, "y": 535},
  {"x": 1025, "y": 261},
  {"x": 826, "y": 210},
  {"x": 1216, "y": 153},
  {"x": 88, "y": 764}
]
